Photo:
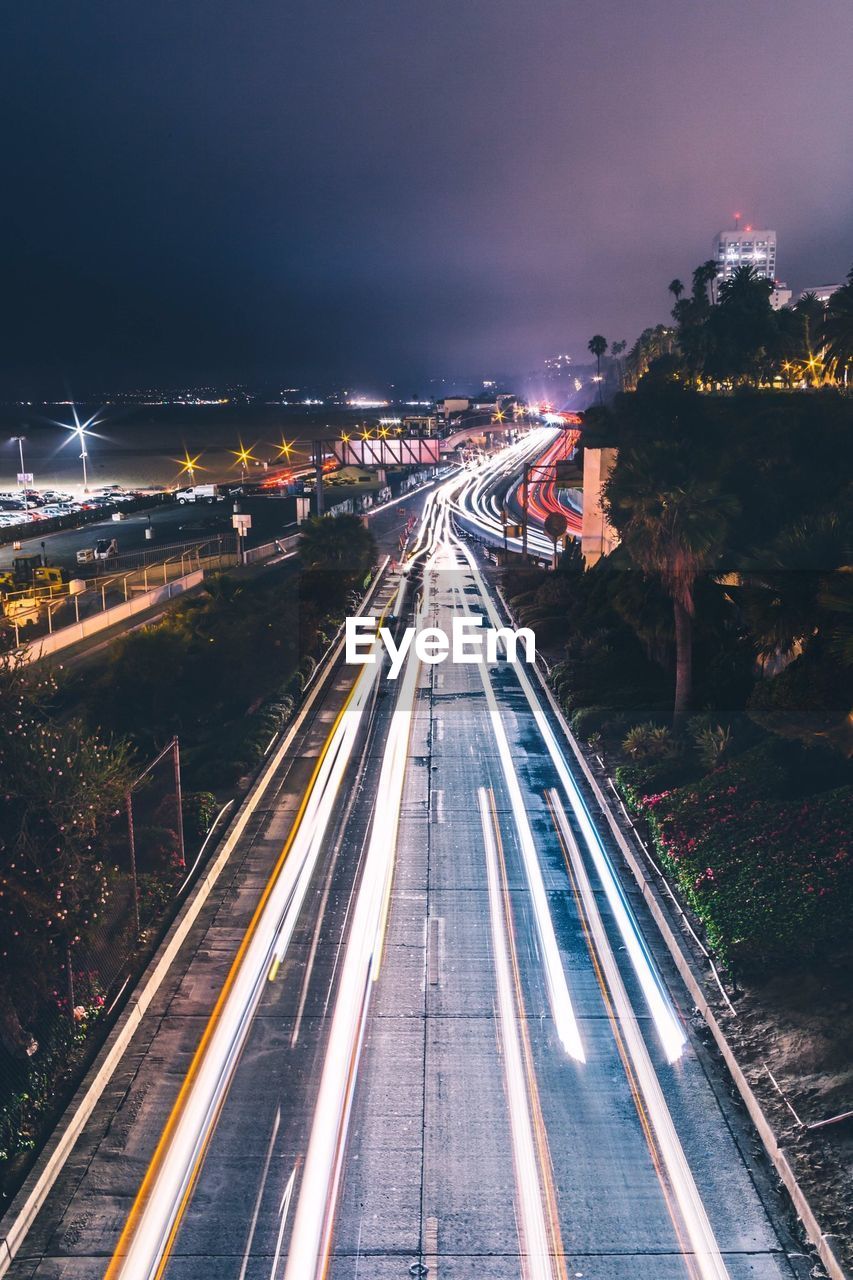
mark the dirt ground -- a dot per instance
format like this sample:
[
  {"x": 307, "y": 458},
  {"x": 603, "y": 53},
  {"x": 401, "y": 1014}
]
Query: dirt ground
[{"x": 799, "y": 1026}]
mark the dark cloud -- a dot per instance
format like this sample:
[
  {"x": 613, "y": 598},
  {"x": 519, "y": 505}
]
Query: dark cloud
[{"x": 399, "y": 188}]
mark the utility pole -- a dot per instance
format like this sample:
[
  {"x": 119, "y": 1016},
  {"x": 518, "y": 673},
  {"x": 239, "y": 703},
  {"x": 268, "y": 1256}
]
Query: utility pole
[
  {"x": 524, "y": 488},
  {"x": 318, "y": 474},
  {"x": 19, "y": 440}
]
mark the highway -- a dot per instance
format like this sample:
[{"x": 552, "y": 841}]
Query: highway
[{"x": 425, "y": 1029}]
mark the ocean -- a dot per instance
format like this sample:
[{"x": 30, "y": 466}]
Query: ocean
[{"x": 142, "y": 446}]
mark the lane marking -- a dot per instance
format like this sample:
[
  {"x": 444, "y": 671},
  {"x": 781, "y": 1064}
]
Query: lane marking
[
  {"x": 536, "y": 1238},
  {"x": 282, "y": 1212},
  {"x": 435, "y": 947},
  {"x": 705, "y": 1250},
  {"x": 259, "y": 1197},
  {"x": 555, "y": 975},
  {"x": 313, "y": 1225},
  {"x": 158, "y": 1246}
]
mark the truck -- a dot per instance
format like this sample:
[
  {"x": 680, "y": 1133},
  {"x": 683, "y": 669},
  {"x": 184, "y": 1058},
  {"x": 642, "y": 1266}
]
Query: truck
[
  {"x": 29, "y": 571},
  {"x": 29, "y": 589},
  {"x": 104, "y": 549},
  {"x": 198, "y": 493}
]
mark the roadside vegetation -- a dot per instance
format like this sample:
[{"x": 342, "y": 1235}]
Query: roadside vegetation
[
  {"x": 734, "y": 338},
  {"x": 710, "y": 656},
  {"x": 223, "y": 671}
]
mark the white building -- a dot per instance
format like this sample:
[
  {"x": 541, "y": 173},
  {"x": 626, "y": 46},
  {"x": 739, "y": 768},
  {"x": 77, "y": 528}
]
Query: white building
[
  {"x": 746, "y": 248},
  {"x": 823, "y": 292},
  {"x": 780, "y": 296}
]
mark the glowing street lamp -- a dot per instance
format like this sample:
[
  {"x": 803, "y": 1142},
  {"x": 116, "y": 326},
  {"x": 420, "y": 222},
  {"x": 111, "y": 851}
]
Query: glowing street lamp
[
  {"x": 19, "y": 441},
  {"x": 285, "y": 449},
  {"x": 189, "y": 466},
  {"x": 243, "y": 457},
  {"x": 81, "y": 431}
]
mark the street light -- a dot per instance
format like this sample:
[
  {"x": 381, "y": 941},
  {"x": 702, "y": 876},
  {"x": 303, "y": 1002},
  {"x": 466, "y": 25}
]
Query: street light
[
  {"x": 19, "y": 441},
  {"x": 189, "y": 466},
  {"x": 81, "y": 431},
  {"x": 243, "y": 456}
]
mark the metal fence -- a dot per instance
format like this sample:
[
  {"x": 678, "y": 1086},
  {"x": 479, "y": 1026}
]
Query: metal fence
[
  {"x": 144, "y": 852},
  {"x": 34, "y": 612}
]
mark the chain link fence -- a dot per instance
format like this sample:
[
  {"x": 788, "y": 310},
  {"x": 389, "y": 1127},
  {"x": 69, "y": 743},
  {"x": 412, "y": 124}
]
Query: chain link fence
[{"x": 145, "y": 857}]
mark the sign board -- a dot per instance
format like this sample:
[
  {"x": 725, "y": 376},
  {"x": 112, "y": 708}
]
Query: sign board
[
  {"x": 567, "y": 474},
  {"x": 397, "y": 451},
  {"x": 25, "y": 478},
  {"x": 555, "y": 525},
  {"x": 242, "y": 522}
]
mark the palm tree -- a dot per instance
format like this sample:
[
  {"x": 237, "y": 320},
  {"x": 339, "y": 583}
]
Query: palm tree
[
  {"x": 339, "y": 543},
  {"x": 784, "y": 584},
  {"x": 676, "y": 288},
  {"x": 673, "y": 525},
  {"x": 616, "y": 350},
  {"x": 838, "y": 327},
  {"x": 702, "y": 277},
  {"x": 810, "y": 314},
  {"x": 598, "y": 346}
]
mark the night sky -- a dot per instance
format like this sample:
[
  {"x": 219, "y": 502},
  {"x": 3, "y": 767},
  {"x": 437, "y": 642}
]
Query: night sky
[{"x": 397, "y": 190}]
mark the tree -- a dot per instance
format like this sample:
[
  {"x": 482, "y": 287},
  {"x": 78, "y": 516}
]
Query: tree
[
  {"x": 341, "y": 543},
  {"x": 837, "y": 331},
  {"x": 796, "y": 590},
  {"x": 676, "y": 288},
  {"x": 671, "y": 514},
  {"x": 598, "y": 346},
  {"x": 61, "y": 789},
  {"x": 741, "y": 330},
  {"x": 617, "y": 349}
]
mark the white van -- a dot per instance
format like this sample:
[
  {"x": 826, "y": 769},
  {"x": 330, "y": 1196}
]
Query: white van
[{"x": 197, "y": 493}]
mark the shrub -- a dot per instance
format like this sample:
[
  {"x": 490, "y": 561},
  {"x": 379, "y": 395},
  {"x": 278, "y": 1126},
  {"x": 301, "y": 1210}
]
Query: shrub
[
  {"x": 587, "y": 720},
  {"x": 648, "y": 741},
  {"x": 770, "y": 877},
  {"x": 712, "y": 743},
  {"x": 199, "y": 810}
]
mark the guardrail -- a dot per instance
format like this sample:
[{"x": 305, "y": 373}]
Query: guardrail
[
  {"x": 281, "y": 546},
  {"x": 35, "y": 612}
]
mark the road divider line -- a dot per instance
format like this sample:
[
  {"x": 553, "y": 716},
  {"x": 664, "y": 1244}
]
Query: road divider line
[
  {"x": 541, "y": 1264},
  {"x": 706, "y": 1252},
  {"x": 555, "y": 975},
  {"x": 313, "y": 1224}
]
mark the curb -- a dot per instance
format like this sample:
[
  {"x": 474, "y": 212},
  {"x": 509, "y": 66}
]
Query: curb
[
  {"x": 30, "y": 1199},
  {"x": 819, "y": 1239}
]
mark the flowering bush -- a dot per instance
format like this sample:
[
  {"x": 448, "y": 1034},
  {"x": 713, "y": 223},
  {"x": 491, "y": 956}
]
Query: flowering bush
[{"x": 770, "y": 876}]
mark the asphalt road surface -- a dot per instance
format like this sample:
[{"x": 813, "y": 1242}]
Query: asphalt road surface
[
  {"x": 270, "y": 519},
  {"x": 436, "y": 1038}
]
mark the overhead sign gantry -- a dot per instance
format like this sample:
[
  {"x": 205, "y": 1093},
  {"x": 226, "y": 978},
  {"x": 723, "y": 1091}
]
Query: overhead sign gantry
[{"x": 393, "y": 451}]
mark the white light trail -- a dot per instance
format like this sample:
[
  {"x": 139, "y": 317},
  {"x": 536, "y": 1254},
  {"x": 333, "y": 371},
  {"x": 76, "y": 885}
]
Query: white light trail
[
  {"x": 560, "y": 1001},
  {"x": 668, "y": 1027},
  {"x": 706, "y": 1251},
  {"x": 537, "y": 1259},
  {"x": 312, "y": 1226},
  {"x": 150, "y": 1230}
]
